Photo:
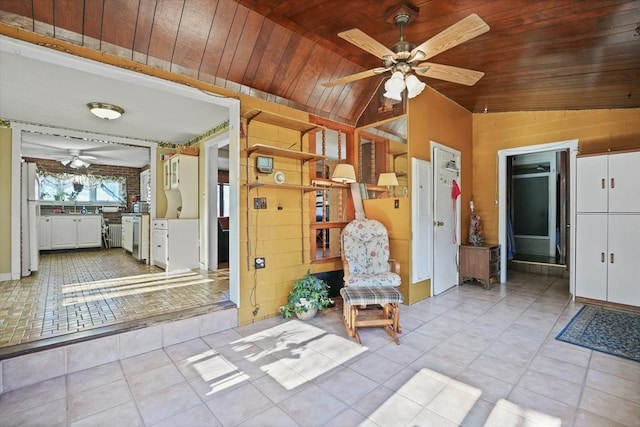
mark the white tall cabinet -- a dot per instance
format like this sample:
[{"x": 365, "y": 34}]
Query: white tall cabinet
[{"x": 608, "y": 228}]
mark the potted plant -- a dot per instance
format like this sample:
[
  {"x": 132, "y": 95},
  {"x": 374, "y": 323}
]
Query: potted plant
[{"x": 307, "y": 296}]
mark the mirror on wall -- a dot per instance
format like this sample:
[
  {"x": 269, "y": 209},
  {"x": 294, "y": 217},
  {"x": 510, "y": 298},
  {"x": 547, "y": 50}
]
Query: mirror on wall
[{"x": 382, "y": 148}]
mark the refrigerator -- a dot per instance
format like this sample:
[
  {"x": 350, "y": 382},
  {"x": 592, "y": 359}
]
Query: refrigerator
[{"x": 30, "y": 213}]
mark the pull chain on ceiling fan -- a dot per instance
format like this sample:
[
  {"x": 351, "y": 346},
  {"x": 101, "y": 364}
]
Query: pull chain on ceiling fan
[{"x": 403, "y": 58}]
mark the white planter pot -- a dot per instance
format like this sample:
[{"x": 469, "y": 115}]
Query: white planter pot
[{"x": 309, "y": 314}]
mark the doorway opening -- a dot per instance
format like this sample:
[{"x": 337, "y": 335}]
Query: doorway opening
[{"x": 536, "y": 198}]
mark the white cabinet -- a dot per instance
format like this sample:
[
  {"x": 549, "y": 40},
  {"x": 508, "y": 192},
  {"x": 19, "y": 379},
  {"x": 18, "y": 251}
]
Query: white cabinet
[
  {"x": 608, "y": 258},
  {"x": 175, "y": 244},
  {"x": 75, "y": 231},
  {"x": 88, "y": 231},
  {"x": 44, "y": 233},
  {"x": 608, "y": 183},
  {"x": 63, "y": 232},
  {"x": 180, "y": 179},
  {"x": 608, "y": 228},
  {"x": 127, "y": 233}
]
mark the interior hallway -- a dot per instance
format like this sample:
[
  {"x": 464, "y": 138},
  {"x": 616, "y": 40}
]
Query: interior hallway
[
  {"x": 469, "y": 357},
  {"x": 84, "y": 293}
]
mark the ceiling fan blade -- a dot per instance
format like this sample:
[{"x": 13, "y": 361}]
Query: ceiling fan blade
[
  {"x": 448, "y": 73},
  {"x": 466, "y": 29},
  {"x": 87, "y": 157},
  {"x": 366, "y": 43},
  {"x": 353, "y": 77}
]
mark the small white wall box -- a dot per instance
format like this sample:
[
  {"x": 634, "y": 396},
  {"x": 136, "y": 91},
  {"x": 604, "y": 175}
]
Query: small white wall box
[{"x": 264, "y": 164}]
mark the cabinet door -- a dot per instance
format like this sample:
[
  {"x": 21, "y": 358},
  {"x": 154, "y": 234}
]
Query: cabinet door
[
  {"x": 166, "y": 173},
  {"x": 624, "y": 259},
  {"x": 44, "y": 233},
  {"x": 175, "y": 171},
  {"x": 624, "y": 182},
  {"x": 89, "y": 229},
  {"x": 127, "y": 233},
  {"x": 63, "y": 232},
  {"x": 591, "y": 184},
  {"x": 591, "y": 256},
  {"x": 159, "y": 253}
]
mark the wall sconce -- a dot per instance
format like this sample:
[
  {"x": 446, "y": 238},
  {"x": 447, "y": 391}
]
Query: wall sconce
[
  {"x": 344, "y": 173},
  {"x": 388, "y": 180}
]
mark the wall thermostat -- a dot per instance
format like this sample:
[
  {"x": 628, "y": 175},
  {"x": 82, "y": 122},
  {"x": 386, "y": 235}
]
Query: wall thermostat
[{"x": 264, "y": 164}]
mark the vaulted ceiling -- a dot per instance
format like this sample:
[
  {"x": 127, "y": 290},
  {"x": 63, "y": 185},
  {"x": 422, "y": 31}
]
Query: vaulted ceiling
[{"x": 537, "y": 55}]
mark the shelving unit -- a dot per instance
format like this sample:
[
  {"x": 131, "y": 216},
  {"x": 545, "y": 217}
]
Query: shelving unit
[{"x": 302, "y": 128}]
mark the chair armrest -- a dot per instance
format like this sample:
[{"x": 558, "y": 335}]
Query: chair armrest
[{"x": 394, "y": 266}]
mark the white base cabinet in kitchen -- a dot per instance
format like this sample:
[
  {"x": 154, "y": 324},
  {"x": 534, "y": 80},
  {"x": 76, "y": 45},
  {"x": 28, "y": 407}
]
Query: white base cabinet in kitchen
[
  {"x": 44, "y": 233},
  {"x": 127, "y": 233},
  {"x": 75, "y": 231},
  {"x": 175, "y": 244}
]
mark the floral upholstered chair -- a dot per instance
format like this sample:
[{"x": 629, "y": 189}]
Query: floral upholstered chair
[{"x": 365, "y": 255}]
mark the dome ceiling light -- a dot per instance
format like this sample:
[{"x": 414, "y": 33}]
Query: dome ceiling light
[{"x": 105, "y": 110}]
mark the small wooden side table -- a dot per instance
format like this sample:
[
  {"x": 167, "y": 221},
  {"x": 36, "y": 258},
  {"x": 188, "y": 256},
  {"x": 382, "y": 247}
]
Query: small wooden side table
[{"x": 481, "y": 263}]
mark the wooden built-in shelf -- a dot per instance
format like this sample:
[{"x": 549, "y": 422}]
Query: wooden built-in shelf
[
  {"x": 282, "y": 121},
  {"x": 284, "y": 152},
  {"x": 305, "y": 188}
]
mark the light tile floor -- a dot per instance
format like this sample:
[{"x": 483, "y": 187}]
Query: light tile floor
[
  {"x": 469, "y": 357},
  {"x": 79, "y": 291}
]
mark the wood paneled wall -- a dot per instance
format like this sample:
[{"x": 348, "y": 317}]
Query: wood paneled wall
[{"x": 596, "y": 131}]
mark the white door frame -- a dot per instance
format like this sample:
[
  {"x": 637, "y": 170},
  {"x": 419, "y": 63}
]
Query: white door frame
[
  {"x": 421, "y": 220},
  {"x": 211, "y": 166},
  {"x": 572, "y": 146}
]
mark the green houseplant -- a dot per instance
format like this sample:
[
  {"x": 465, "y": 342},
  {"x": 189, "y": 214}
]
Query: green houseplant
[{"x": 309, "y": 294}]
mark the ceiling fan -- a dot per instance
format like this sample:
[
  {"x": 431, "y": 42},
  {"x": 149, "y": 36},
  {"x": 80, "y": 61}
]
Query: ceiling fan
[
  {"x": 404, "y": 57},
  {"x": 76, "y": 160}
]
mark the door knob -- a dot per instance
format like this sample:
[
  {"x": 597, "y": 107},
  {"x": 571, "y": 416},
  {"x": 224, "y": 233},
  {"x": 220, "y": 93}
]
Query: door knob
[{"x": 438, "y": 223}]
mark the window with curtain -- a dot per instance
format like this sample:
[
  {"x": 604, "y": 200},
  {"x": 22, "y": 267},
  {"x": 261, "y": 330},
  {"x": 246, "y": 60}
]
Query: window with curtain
[{"x": 66, "y": 187}]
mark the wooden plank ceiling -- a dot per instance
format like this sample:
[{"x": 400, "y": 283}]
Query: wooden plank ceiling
[{"x": 538, "y": 55}]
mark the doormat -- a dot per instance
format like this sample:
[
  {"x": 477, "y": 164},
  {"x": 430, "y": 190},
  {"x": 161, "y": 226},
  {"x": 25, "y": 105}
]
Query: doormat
[{"x": 605, "y": 330}]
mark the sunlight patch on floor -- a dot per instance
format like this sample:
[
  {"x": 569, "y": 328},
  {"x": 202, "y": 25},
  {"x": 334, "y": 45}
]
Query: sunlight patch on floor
[
  {"x": 507, "y": 414},
  {"x": 302, "y": 352},
  {"x": 428, "y": 398}
]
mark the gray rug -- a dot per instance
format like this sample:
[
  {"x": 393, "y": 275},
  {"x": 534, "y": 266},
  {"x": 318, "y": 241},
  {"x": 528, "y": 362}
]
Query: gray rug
[{"x": 605, "y": 330}]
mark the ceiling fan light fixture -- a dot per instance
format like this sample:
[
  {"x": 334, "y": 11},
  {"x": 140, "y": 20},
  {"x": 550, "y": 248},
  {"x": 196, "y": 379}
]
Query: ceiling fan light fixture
[
  {"x": 105, "y": 110},
  {"x": 414, "y": 86}
]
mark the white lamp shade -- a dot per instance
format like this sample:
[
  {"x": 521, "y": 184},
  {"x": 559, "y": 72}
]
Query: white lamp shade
[
  {"x": 344, "y": 173},
  {"x": 387, "y": 179},
  {"x": 414, "y": 86}
]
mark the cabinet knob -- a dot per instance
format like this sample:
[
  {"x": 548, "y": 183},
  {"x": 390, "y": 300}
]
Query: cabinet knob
[
  {"x": 611, "y": 260},
  {"x": 613, "y": 183},
  {"x": 601, "y": 256},
  {"x": 438, "y": 223}
]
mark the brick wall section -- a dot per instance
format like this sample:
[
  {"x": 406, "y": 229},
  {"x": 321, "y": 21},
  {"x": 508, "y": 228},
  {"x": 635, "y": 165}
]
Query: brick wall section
[{"x": 132, "y": 175}]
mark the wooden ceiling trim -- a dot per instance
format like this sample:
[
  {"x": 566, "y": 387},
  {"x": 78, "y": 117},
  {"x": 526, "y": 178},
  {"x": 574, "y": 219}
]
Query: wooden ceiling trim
[
  {"x": 43, "y": 12},
  {"x": 211, "y": 31},
  {"x": 319, "y": 93},
  {"x": 144, "y": 28},
  {"x": 194, "y": 35},
  {"x": 228, "y": 52},
  {"x": 295, "y": 54},
  {"x": 119, "y": 25},
  {"x": 274, "y": 52},
  {"x": 164, "y": 30},
  {"x": 248, "y": 38},
  {"x": 92, "y": 21},
  {"x": 262, "y": 44},
  {"x": 66, "y": 16}
]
